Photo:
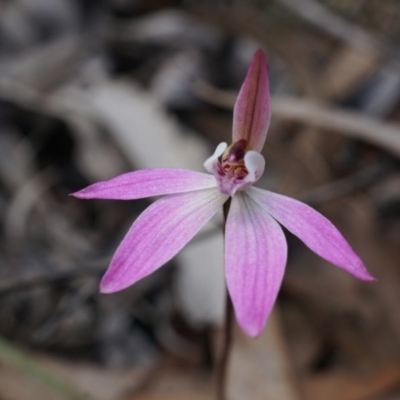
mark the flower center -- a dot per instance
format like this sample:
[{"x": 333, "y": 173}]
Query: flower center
[
  {"x": 232, "y": 161},
  {"x": 235, "y": 167}
]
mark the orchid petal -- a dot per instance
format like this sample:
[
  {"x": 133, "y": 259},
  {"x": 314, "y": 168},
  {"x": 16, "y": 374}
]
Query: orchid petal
[
  {"x": 211, "y": 163},
  {"x": 316, "y": 231},
  {"x": 158, "y": 234},
  {"x": 255, "y": 164},
  {"x": 255, "y": 258},
  {"x": 147, "y": 183},
  {"x": 252, "y": 112}
]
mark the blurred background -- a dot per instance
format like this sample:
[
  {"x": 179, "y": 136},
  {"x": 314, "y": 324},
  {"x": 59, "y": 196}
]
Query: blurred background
[{"x": 91, "y": 89}]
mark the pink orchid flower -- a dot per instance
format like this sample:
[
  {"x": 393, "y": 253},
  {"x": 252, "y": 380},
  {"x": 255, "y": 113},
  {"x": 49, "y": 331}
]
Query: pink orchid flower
[{"x": 255, "y": 245}]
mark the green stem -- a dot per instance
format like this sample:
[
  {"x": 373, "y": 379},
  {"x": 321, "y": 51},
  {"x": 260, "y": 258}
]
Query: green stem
[{"x": 13, "y": 357}]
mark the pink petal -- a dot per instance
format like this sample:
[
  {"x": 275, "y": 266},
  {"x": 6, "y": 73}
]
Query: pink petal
[
  {"x": 316, "y": 231},
  {"x": 158, "y": 234},
  {"x": 255, "y": 258},
  {"x": 252, "y": 113},
  {"x": 146, "y": 183}
]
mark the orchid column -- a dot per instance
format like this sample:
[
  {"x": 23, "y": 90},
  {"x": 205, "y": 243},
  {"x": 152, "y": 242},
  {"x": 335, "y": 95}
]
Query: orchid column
[{"x": 255, "y": 246}]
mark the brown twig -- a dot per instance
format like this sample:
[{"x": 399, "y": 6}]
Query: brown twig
[
  {"x": 346, "y": 185},
  {"x": 318, "y": 115},
  {"x": 348, "y": 123},
  {"x": 335, "y": 25},
  {"x": 22, "y": 283}
]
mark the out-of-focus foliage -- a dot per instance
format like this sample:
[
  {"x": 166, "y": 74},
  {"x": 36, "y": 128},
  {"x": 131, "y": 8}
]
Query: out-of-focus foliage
[{"x": 91, "y": 89}]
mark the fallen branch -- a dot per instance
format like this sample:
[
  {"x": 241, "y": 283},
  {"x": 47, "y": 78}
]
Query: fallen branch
[
  {"x": 335, "y": 25},
  {"x": 350, "y": 123},
  {"x": 356, "y": 125}
]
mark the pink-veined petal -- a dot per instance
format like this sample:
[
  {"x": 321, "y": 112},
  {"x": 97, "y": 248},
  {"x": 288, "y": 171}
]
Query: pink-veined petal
[
  {"x": 252, "y": 112},
  {"x": 158, "y": 234},
  {"x": 147, "y": 183},
  {"x": 316, "y": 231},
  {"x": 255, "y": 258}
]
